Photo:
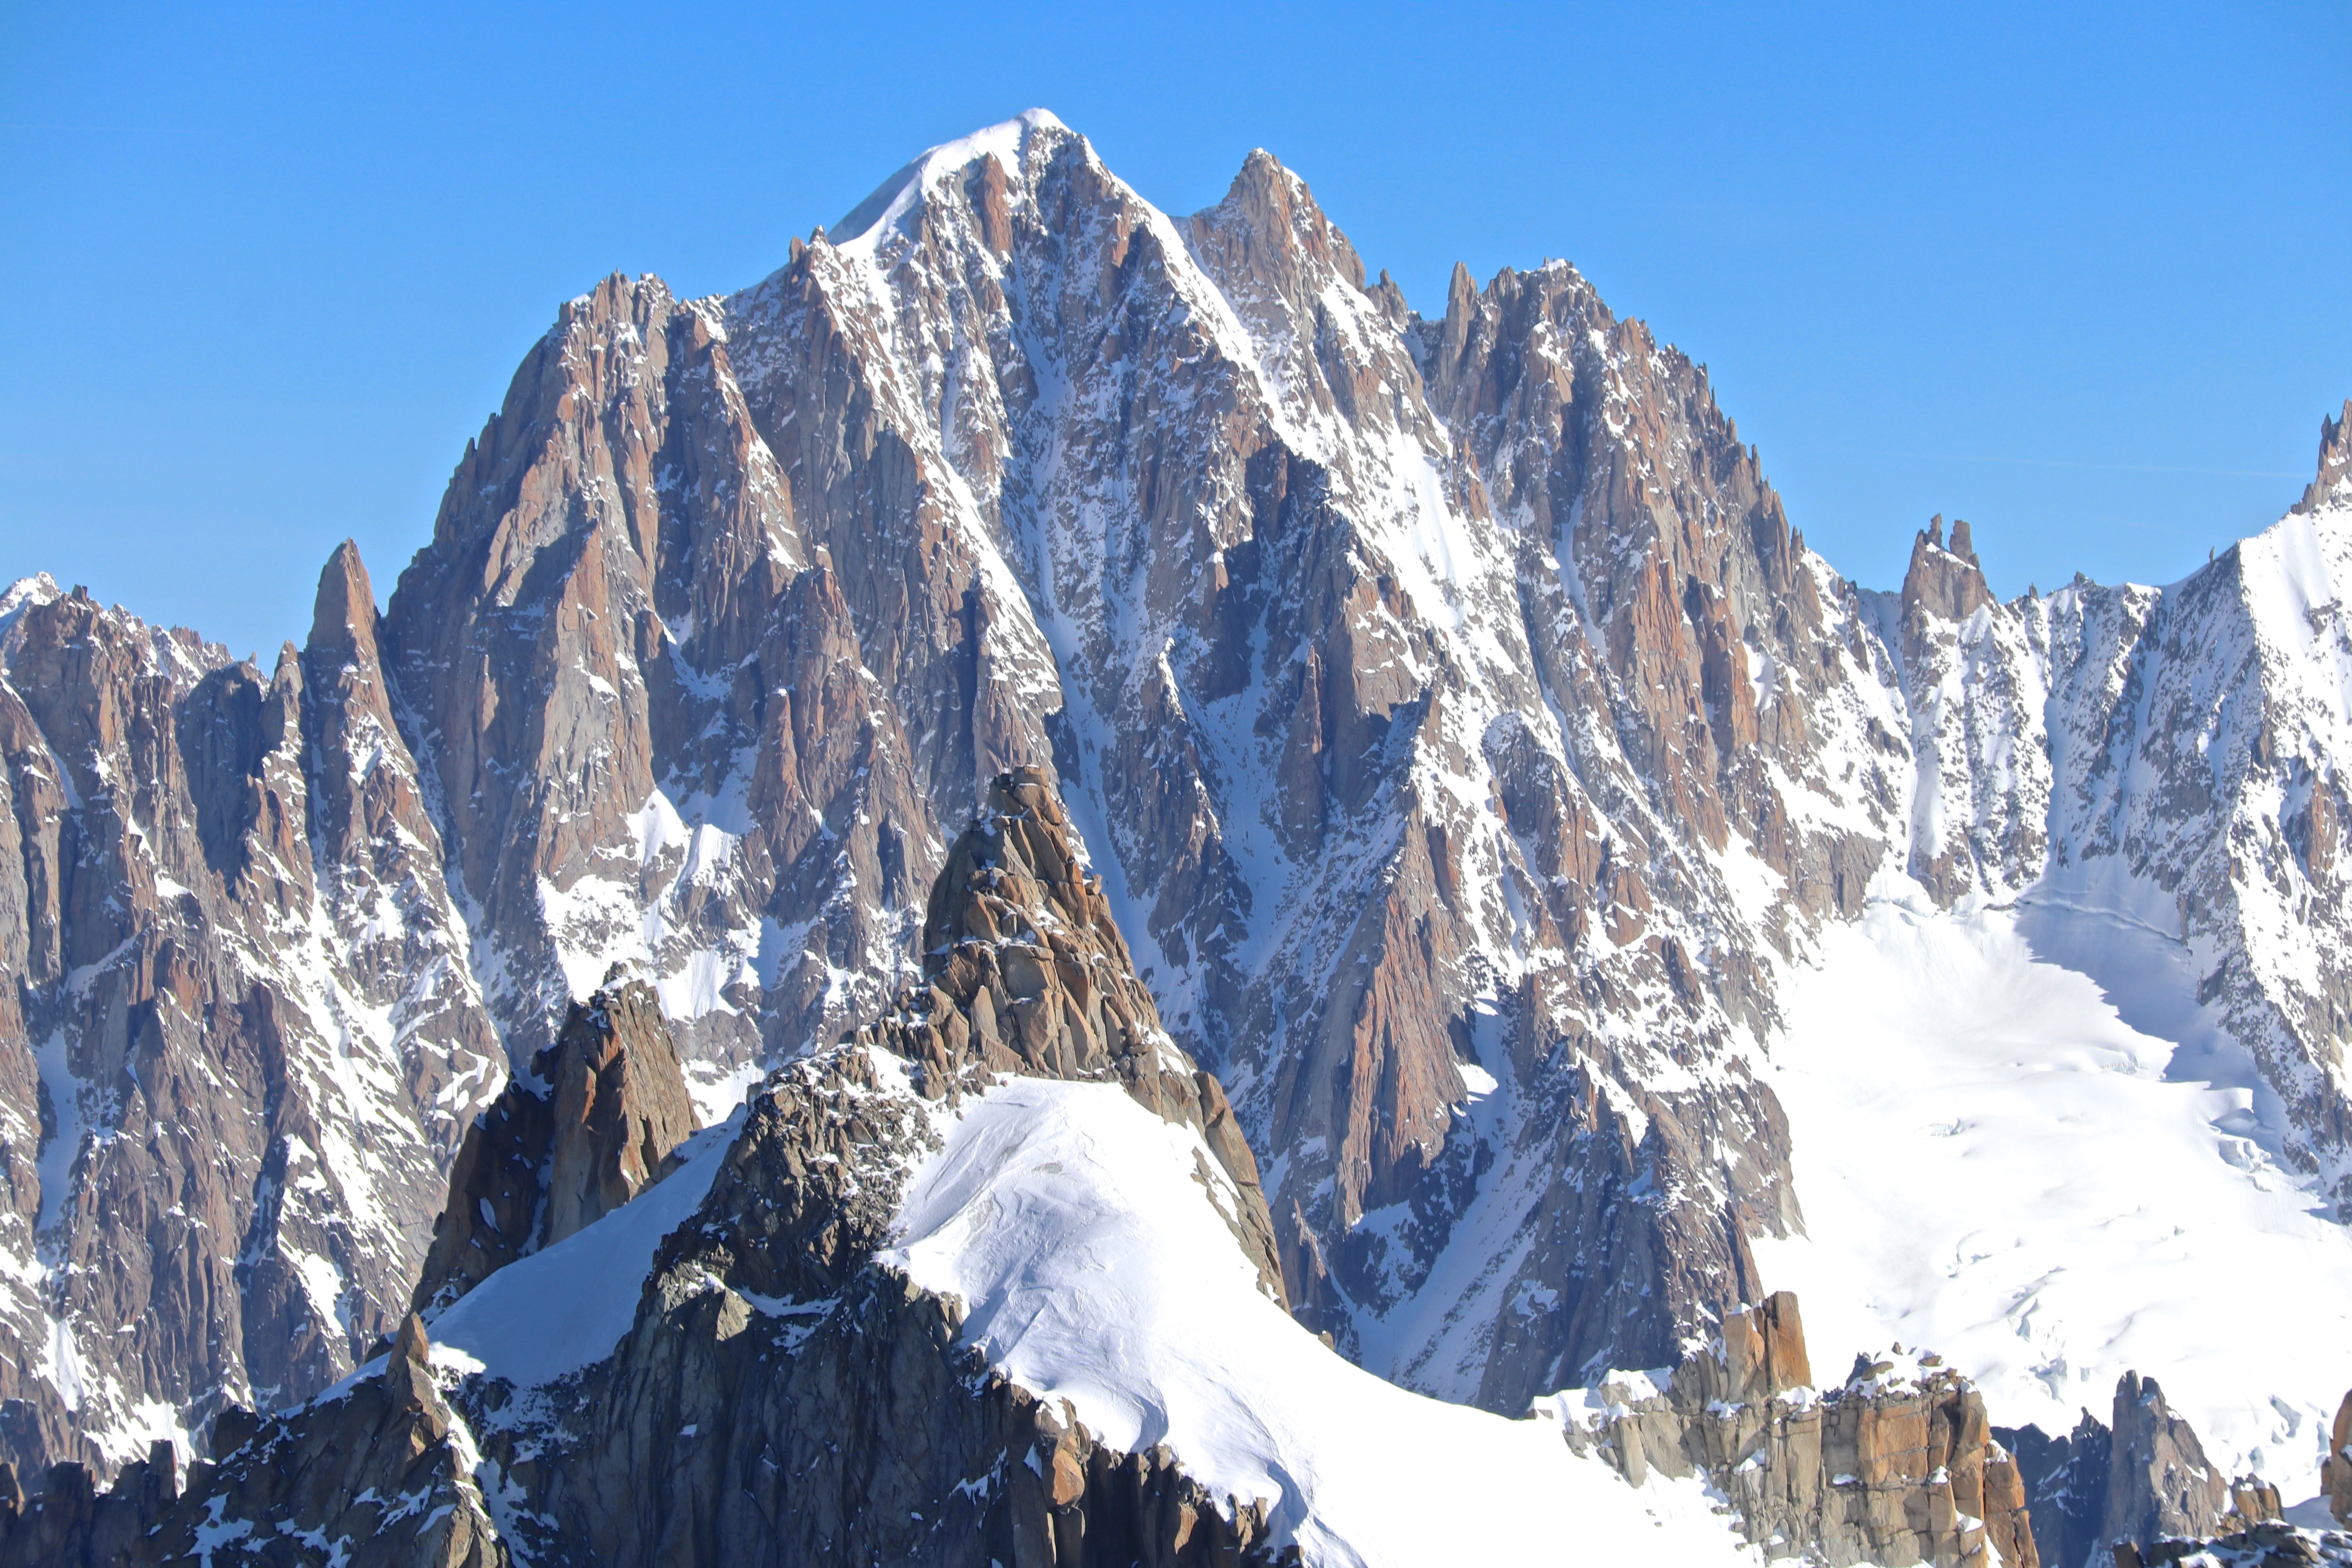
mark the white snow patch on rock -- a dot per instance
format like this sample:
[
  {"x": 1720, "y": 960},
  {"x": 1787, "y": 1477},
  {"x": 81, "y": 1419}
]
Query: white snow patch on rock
[
  {"x": 1071, "y": 1222},
  {"x": 556, "y": 1311}
]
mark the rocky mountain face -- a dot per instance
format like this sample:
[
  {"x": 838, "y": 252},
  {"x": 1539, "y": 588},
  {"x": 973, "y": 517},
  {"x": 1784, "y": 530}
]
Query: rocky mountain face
[
  {"x": 775, "y": 1385},
  {"x": 736, "y": 599},
  {"x": 1465, "y": 741},
  {"x": 587, "y": 1131},
  {"x": 783, "y": 1395},
  {"x": 244, "y": 1037},
  {"x": 2168, "y": 757},
  {"x": 2141, "y": 1479},
  {"x": 1898, "y": 1465},
  {"x": 2335, "y": 1472}
]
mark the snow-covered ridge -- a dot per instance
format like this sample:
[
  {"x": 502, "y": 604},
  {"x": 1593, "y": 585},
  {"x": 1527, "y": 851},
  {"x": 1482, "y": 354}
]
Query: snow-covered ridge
[
  {"x": 894, "y": 197},
  {"x": 1072, "y": 1223}
]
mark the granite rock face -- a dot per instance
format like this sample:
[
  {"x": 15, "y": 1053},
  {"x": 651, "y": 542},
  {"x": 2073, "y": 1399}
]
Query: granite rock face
[
  {"x": 2143, "y": 1480},
  {"x": 582, "y": 1135},
  {"x": 2067, "y": 1478},
  {"x": 2333, "y": 484},
  {"x": 242, "y": 1038},
  {"x": 2274, "y": 1544},
  {"x": 1896, "y": 1466},
  {"x": 782, "y": 1396},
  {"x": 2336, "y": 1471},
  {"x": 1012, "y": 469},
  {"x": 2159, "y": 1482},
  {"x": 375, "y": 1476}
]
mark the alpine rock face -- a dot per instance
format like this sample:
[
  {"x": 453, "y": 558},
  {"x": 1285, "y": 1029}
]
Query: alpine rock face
[
  {"x": 1471, "y": 753},
  {"x": 245, "y": 1038},
  {"x": 1426, "y": 840}
]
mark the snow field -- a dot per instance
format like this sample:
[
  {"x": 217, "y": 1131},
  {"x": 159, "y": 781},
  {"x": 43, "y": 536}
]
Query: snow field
[{"x": 1994, "y": 1164}]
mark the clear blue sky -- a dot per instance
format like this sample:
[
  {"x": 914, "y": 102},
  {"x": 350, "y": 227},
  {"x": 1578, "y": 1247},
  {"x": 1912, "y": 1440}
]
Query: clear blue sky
[{"x": 2080, "y": 278}]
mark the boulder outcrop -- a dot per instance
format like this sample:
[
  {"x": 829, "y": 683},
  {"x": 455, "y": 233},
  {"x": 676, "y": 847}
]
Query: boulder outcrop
[{"x": 2333, "y": 483}]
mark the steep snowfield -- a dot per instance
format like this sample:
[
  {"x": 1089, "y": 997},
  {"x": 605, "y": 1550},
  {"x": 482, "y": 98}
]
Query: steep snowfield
[
  {"x": 1074, "y": 1225},
  {"x": 553, "y": 1313},
  {"x": 1995, "y": 1165}
]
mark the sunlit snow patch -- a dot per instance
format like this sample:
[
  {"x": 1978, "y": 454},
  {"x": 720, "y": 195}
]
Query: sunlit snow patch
[
  {"x": 542, "y": 1317},
  {"x": 1994, "y": 1164}
]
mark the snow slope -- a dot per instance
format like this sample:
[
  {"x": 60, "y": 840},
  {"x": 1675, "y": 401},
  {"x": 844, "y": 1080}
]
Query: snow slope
[
  {"x": 549, "y": 1314},
  {"x": 1995, "y": 1165},
  {"x": 1074, "y": 1224}
]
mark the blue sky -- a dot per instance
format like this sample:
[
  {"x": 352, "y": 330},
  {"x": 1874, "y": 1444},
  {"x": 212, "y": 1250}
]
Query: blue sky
[{"x": 2078, "y": 278}]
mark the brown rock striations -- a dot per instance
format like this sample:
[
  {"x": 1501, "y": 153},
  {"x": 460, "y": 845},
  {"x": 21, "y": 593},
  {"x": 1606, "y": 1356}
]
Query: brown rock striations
[
  {"x": 619, "y": 613},
  {"x": 1898, "y": 1467},
  {"x": 259, "y": 1039},
  {"x": 584, "y": 1133}
]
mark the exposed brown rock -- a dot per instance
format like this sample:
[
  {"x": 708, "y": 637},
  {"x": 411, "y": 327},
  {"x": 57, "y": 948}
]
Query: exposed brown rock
[
  {"x": 2270, "y": 1544},
  {"x": 2160, "y": 1483},
  {"x": 1026, "y": 972},
  {"x": 2335, "y": 477},
  {"x": 583, "y": 1134},
  {"x": 2336, "y": 1471},
  {"x": 1899, "y": 1466},
  {"x": 2066, "y": 1478},
  {"x": 220, "y": 890},
  {"x": 784, "y": 1400}
]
